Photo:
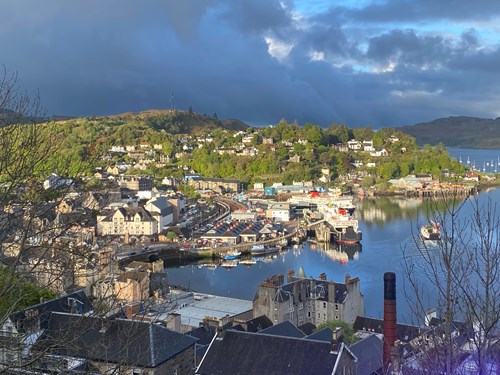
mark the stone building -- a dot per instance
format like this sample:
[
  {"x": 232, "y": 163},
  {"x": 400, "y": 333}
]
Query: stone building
[
  {"x": 219, "y": 185},
  {"x": 135, "y": 183},
  {"x": 306, "y": 300},
  {"x": 127, "y": 220}
]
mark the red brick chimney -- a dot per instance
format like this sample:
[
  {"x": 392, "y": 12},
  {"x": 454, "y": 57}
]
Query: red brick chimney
[{"x": 390, "y": 325}]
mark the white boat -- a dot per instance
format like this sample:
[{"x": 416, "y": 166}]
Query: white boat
[{"x": 430, "y": 232}]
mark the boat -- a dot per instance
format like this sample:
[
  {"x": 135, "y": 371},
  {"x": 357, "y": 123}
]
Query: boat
[
  {"x": 263, "y": 249},
  {"x": 232, "y": 254},
  {"x": 430, "y": 232}
]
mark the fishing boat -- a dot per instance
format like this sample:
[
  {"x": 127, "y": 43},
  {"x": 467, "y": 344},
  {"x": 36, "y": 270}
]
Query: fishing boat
[
  {"x": 231, "y": 255},
  {"x": 263, "y": 249},
  {"x": 430, "y": 232}
]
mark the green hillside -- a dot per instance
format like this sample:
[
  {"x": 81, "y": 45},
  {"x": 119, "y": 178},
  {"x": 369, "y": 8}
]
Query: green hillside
[{"x": 459, "y": 132}]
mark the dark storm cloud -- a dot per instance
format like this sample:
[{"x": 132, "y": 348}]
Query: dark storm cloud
[
  {"x": 250, "y": 59},
  {"x": 421, "y": 10}
]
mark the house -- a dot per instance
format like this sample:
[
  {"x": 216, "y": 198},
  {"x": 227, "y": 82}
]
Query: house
[
  {"x": 303, "y": 299},
  {"x": 279, "y": 211},
  {"x": 354, "y": 145},
  {"x": 294, "y": 159},
  {"x": 120, "y": 149},
  {"x": 219, "y": 185},
  {"x": 115, "y": 346},
  {"x": 368, "y": 146},
  {"x": 161, "y": 210},
  {"x": 132, "y": 286},
  {"x": 472, "y": 176},
  {"x": 379, "y": 152},
  {"x": 281, "y": 349},
  {"x": 56, "y": 182},
  {"x": 19, "y": 326},
  {"x": 135, "y": 183},
  {"x": 248, "y": 139},
  {"x": 127, "y": 220},
  {"x": 267, "y": 141}
]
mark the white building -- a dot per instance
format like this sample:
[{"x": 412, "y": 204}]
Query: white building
[{"x": 161, "y": 210}]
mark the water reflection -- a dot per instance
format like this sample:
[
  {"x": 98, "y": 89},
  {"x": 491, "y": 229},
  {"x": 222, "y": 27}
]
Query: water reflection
[
  {"x": 341, "y": 253},
  {"x": 381, "y": 210}
]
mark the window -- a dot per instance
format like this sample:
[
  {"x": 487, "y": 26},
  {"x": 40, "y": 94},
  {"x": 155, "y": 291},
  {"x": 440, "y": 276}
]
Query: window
[
  {"x": 324, "y": 305},
  {"x": 336, "y": 307},
  {"x": 301, "y": 306}
]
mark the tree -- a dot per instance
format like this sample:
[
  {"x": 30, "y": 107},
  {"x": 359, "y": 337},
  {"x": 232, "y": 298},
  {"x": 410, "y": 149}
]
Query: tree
[
  {"x": 462, "y": 282},
  {"x": 39, "y": 255}
]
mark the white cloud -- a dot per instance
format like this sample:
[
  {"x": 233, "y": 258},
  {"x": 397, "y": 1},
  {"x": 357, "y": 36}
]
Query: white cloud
[{"x": 279, "y": 49}]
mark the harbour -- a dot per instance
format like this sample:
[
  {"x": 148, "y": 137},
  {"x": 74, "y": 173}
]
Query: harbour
[{"x": 390, "y": 226}]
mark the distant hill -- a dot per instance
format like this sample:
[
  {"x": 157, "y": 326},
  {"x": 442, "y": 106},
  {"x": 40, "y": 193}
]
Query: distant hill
[{"x": 459, "y": 132}]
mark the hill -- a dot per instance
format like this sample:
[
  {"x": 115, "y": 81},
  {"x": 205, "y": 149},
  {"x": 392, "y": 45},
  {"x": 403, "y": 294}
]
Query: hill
[
  {"x": 179, "y": 122},
  {"x": 459, "y": 132}
]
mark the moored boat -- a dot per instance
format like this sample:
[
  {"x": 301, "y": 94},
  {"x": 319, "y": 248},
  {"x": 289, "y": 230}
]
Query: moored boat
[
  {"x": 430, "y": 232},
  {"x": 263, "y": 250},
  {"x": 232, "y": 254}
]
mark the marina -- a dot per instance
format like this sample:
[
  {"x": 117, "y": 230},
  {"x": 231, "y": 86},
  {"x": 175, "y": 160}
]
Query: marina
[{"x": 487, "y": 161}]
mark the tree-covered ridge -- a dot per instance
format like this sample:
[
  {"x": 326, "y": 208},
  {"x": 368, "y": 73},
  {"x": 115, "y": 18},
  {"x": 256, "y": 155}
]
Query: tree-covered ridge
[
  {"x": 285, "y": 152},
  {"x": 458, "y": 131}
]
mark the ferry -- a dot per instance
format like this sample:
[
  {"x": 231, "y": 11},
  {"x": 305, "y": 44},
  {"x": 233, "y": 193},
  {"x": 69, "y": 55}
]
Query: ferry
[{"x": 337, "y": 211}]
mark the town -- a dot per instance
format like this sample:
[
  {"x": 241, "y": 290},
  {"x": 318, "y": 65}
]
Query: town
[{"x": 96, "y": 247}]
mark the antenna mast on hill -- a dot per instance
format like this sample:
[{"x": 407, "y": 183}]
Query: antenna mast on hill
[{"x": 172, "y": 107}]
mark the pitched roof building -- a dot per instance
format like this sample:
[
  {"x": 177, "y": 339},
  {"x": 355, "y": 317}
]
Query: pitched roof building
[
  {"x": 303, "y": 300},
  {"x": 123, "y": 346}
]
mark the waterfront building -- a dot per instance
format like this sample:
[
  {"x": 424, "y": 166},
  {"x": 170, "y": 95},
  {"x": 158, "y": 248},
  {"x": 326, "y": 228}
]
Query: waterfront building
[{"x": 306, "y": 300}]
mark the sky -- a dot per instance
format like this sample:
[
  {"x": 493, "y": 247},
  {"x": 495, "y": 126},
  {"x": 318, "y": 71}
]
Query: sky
[{"x": 382, "y": 63}]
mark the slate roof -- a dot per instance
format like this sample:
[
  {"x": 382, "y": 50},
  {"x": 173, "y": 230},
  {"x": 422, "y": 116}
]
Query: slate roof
[
  {"x": 326, "y": 334},
  {"x": 112, "y": 341},
  {"x": 258, "y": 323},
  {"x": 405, "y": 332},
  {"x": 307, "y": 328},
  {"x": 286, "y": 329},
  {"x": 76, "y": 302},
  {"x": 284, "y": 292},
  {"x": 369, "y": 354},
  {"x": 203, "y": 334},
  {"x": 257, "y": 353}
]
